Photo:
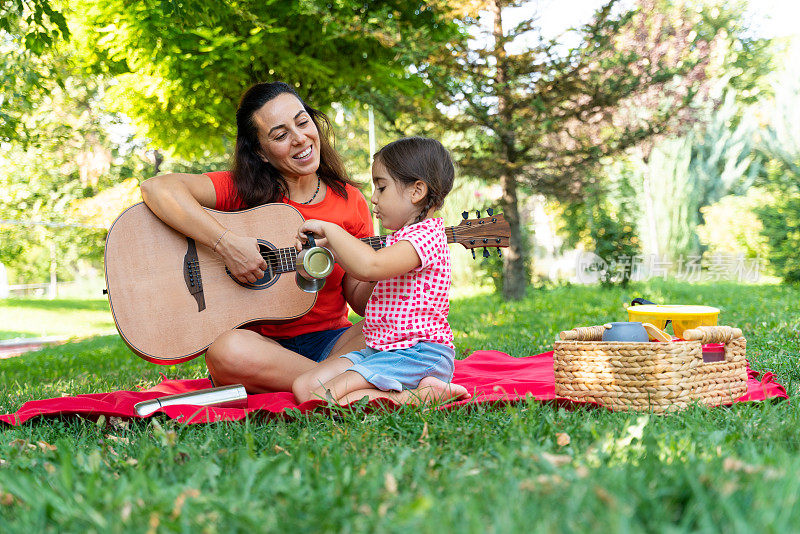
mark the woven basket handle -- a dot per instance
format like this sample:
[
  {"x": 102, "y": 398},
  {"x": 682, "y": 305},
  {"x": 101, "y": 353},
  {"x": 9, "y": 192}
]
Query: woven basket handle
[
  {"x": 583, "y": 333},
  {"x": 712, "y": 334}
]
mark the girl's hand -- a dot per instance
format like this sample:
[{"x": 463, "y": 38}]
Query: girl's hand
[
  {"x": 242, "y": 257},
  {"x": 315, "y": 227}
]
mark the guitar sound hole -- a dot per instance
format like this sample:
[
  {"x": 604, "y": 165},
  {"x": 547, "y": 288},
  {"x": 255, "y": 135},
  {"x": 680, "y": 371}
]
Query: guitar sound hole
[{"x": 270, "y": 275}]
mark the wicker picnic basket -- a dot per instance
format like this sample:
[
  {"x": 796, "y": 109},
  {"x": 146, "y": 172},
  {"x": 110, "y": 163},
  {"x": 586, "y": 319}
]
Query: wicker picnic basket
[{"x": 657, "y": 377}]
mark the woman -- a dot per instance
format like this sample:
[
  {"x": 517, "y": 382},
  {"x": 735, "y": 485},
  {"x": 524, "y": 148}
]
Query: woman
[{"x": 282, "y": 154}]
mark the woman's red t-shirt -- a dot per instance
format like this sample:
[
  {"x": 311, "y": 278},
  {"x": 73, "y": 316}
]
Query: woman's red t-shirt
[{"x": 351, "y": 213}]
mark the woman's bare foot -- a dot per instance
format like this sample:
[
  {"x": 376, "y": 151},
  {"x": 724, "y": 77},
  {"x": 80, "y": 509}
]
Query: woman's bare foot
[{"x": 433, "y": 390}]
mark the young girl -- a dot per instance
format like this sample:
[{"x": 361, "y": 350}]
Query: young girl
[{"x": 409, "y": 354}]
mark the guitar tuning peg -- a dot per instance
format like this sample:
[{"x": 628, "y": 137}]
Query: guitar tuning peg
[
  {"x": 499, "y": 253},
  {"x": 490, "y": 211},
  {"x": 464, "y": 214},
  {"x": 485, "y": 253},
  {"x": 473, "y": 253},
  {"x": 478, "y": 214}
]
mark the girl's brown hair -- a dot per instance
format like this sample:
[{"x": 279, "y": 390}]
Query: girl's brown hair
[
  {"x": 258, "y": 182},
  {"x": 420, "y": 158}
]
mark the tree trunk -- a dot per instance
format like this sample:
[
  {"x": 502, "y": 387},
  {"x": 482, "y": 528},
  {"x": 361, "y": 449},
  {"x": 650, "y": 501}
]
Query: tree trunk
[
  {"x": 158, "y": 159},
  {"x": 515, "y": 278}
]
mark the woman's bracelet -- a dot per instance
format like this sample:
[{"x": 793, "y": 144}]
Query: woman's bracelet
[{"x": 214, "y": 248}]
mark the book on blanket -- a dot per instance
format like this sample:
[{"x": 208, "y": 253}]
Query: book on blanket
[{"x": 234, "y": 396}]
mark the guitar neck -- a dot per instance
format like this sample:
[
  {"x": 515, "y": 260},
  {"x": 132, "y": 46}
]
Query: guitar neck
[
  {"x": 379, "y": 241},
  {"x": 284, "y": 260}
]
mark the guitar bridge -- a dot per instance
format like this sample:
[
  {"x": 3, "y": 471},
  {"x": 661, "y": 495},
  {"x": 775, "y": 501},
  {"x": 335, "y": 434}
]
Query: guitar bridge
[{"x": 191, "y": 274}]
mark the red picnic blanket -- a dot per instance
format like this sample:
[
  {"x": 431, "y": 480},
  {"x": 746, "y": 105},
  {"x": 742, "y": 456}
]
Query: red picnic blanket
[{"x": 490, "y": 375}]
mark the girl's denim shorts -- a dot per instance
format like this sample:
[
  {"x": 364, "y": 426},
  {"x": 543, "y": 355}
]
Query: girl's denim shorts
[{"x": 398, "y": 369}]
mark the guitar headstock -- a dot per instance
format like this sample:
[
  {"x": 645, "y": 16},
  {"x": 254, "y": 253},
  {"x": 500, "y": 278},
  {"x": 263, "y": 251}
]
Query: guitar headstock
[{"x": 491, "y": 231}]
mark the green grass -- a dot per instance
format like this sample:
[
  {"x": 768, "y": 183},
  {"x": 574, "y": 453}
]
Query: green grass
[
  {"x": 481, "y": 469},
  {"x": 41, "y": 317}
]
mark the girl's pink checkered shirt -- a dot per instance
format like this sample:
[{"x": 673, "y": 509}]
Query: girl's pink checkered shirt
[{"x": 413, "y": 307}]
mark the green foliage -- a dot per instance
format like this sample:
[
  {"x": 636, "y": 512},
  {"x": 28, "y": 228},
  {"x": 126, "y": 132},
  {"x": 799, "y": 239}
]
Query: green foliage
[
  {"x": 351, "y": 125},
  {"x": 20, "y": 82},
  {"x": 491, "y": 268},
  {"x": 677, "y": 177},
  {"x": 781, "y": 145},
  {"x": 731, "y": 225},
  {"x": 43, "y": 23},
  {"x": 29, "y": 30},
  {"x": 192, "y": 69},
  {"x": 616, "y": 240},
  {"x": 633, "y": 74},
  {"x": 781, "y": 223},
  {"x": 605, "y": 223},
  {"x": 742, "y": 63},
  {"x": 780, "y": 140},
  {"x": 71, "y": 157},
  {"x": 723, "y": 158}
]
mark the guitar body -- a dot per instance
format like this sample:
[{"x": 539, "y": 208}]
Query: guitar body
[{"x": 171, "y": 297}]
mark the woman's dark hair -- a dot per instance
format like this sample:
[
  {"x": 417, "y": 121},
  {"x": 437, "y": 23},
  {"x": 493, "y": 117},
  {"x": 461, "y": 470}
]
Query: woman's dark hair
[
  {"x": 420, "y": 158},
  {"x": 257, "y": 181}
]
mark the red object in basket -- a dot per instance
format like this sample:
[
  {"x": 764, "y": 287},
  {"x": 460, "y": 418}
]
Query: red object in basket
[{"x": 712, "y": 352}]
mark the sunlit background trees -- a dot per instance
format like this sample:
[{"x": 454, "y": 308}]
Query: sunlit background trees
[{"x": 653, "y": 137}]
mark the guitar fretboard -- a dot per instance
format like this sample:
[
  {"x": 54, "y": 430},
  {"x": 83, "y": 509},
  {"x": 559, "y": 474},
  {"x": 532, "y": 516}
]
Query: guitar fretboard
[{"x": 284, "y": 260}]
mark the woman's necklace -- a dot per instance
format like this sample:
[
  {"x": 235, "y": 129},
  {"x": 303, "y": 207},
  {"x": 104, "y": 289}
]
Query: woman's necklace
[{"x": 315, "y": 193}]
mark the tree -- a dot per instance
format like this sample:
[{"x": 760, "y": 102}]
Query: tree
[
  {"x": 42, "y": 24},
  {"x": 604, "y": 221},
  {"x": 28, "y": 31},
  {"x": 70, "y": 155},
  {"x": 676, "y": 177},
  {"x": 542, "y": 118},
  {"x": 781, "y": 145},
  {"x": 144, "y": 59},
  {"x": 70, "y": 159},
  {"x": 180, "y": 67}
]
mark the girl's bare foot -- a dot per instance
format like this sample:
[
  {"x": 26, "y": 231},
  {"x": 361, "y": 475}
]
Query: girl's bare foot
[
  {"x": 429, "y": 391},
  {"x": 433, "y": 390}
]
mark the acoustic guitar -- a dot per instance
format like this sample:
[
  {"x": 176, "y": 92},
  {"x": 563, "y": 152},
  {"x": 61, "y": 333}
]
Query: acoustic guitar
[{"x": 171, "y": 296}]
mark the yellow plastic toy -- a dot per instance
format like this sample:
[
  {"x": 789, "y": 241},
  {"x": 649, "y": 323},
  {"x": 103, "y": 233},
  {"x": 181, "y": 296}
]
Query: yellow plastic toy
[{"x": 682, "y": 317}]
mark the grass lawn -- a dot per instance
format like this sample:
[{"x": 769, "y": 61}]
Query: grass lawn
[
  {"x": 530, "y": 467},
  {"x": 21, "y": 318}
]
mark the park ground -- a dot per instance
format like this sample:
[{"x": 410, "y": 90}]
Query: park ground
[{"x": 489, "y": 468}]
